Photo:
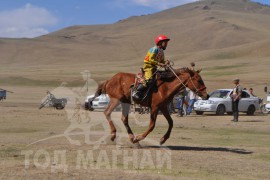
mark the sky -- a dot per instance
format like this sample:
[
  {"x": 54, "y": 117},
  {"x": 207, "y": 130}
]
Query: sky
[{"x": 32, "y": 18}]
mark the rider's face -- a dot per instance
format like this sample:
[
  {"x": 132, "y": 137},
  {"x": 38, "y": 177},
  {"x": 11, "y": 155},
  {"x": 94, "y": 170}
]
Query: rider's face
[{"x": 164, "y": 44}]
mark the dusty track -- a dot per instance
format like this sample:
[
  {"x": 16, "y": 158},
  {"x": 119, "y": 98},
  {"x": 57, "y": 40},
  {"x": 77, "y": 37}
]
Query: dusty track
[{"x": 200, "y": 147}]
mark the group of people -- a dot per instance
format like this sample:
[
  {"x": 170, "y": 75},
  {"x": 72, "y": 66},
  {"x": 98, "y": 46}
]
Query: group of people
[{"x": 185, "y": 102}]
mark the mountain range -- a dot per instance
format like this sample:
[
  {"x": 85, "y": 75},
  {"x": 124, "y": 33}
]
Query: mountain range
[{"x": 227, "y": 38}]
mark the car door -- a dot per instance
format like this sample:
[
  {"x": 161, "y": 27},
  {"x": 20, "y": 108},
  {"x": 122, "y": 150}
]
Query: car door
[{"x": 244, "y": 102}]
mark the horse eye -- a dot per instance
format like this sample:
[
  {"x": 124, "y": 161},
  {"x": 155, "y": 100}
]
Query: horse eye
[{"x": 201, "y": 82}]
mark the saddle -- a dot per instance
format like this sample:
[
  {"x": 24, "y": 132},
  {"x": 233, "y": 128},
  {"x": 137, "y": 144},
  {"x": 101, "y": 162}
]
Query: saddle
[
  {"x": 139, "y": 78},
  {"x": 151, "y": 84}
]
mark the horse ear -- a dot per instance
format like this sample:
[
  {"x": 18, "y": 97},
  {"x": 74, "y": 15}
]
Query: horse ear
[
  {"x": 190, "y": 71},
  {"x": 199, "y": 70}
]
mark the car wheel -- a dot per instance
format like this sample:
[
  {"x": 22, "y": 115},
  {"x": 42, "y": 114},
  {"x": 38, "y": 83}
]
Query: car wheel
[
  {"x": 220, "y": 110},
  {"x": 86, "y": 106},
  {"x": 251, "y": 110},
  {"x": 59, "y": 107},
  {"x": 199, "y": 112}
]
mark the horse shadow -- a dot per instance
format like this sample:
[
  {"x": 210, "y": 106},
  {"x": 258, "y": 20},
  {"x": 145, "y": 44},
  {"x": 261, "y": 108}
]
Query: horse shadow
[{"x": 190, "y": 148}]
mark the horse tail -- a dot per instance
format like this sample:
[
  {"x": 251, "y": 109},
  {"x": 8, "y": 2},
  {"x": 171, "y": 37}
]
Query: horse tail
[{"x": 101, "y": 89}]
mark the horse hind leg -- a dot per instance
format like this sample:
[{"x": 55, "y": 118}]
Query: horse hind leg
[
  {"x": 125, "y": 112},
  {"x": 112, "y": 105}
]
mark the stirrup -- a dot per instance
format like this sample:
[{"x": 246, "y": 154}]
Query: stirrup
[{"x": 137, "y": 96}]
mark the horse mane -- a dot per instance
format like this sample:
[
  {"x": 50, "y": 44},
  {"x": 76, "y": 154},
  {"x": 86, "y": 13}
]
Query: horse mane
[{"x": 168, "y": 75}]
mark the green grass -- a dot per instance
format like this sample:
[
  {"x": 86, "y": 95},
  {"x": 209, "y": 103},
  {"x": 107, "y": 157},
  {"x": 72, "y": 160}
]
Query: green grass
[
  {"x": 226, "y": 137},
  {"x": 224, "y": 70},
  {"x": 18, "y": 130},
  {"x": 224, "y": 55},
  {"x": 19, "y": 81},
  {"x": 16, "y": 80},
  {"x": 9, "y": 152},
  {"x": 220, "y": 73},
  {"x": 264, "y": 157},
  {"x": 227, "y": 67}
]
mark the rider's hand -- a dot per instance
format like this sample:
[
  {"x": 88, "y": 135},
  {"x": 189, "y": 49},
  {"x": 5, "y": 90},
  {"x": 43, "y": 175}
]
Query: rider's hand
[{"x": 162, "y": 64}]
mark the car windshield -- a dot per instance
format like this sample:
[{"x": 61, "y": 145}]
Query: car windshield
[{"x": 219, "y": 94}]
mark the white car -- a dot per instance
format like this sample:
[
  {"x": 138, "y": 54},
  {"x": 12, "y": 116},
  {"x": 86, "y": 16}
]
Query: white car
[
  {"x": 220, "y": 102},
  {"x": 100, "y": 102}
]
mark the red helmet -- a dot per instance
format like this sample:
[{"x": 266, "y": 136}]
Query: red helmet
[{"x": 161, "y": 38}]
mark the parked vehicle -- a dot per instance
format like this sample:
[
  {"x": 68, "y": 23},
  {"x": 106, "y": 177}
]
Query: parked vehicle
[
  {"x": 51, "y": 101},
  {"x": 88, "y": 103},
  {"x": 100, "y": 102},
  {"x": 3, "y": 94},
  {"x": 220, "y": 103}
]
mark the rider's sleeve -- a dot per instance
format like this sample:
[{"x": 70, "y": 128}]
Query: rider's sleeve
[{"x": 150, "y": 57}]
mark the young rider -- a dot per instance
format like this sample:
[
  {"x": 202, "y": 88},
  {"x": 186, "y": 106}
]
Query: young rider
[{"x": 153, "y": 59}]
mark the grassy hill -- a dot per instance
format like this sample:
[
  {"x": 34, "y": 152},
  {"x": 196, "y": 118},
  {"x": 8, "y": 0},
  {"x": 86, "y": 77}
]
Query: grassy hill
[{"x": 227, "y": 38}]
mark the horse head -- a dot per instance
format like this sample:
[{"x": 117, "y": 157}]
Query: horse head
[{"x": 196, "y": 84}]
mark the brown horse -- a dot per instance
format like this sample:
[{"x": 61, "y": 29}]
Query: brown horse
[{"x": 118, "y": 89}]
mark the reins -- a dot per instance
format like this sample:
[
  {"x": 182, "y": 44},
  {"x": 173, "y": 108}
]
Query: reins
[
  {"x": 190, "y": 79},
  {"x": 177, "y": 76}
]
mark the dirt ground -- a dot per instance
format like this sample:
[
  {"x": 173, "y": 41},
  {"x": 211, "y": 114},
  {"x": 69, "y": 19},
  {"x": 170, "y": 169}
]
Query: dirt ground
[{"x": 75, "y": 144}]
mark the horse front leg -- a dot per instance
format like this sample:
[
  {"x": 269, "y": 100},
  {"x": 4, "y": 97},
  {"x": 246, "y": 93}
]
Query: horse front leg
[
  {"x": 125, "y": 112},
  {"x": 153, "y": 117},
  {"x": 167, "y": 115}
]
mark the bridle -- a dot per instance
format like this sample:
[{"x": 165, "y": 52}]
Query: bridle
[{"x": 197, "y": 91}]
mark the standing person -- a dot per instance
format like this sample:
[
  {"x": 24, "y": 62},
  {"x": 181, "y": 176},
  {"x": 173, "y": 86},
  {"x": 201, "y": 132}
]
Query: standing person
[
  {"x": 192, "y": 100},
  {"x": 181, "y": 101},
  {"x": 251, "y": 92},
  {"x": 153, "y": 59},
  {"x": 171, "y": 107},
  {"x": 236, "y": 96}
]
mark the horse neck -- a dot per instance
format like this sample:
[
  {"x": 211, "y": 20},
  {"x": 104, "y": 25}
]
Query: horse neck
[
  {"x": 180, "y": 82},
  {"x": 175, "y": 85}
]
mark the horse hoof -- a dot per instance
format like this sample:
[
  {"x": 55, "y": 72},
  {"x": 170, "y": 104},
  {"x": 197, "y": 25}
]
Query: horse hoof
[
  {"x": 135, "y": 141},
  {"x": 162, "y": 141},
  {"x": 131, "y": 138},
  {"x": 138, "y": 138},
  {"x": 113, "y": 136}
]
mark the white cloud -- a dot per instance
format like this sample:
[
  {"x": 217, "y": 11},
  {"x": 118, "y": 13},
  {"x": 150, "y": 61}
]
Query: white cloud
[
  {"x": 162, "y": 4},
  {"x": 29, "y": 21}
]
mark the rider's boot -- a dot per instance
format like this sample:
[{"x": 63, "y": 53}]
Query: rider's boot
[{"x": 139, "y": 92}]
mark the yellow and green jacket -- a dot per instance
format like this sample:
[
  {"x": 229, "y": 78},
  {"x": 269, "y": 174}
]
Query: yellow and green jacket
[{"x": 154, "y": 56}]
